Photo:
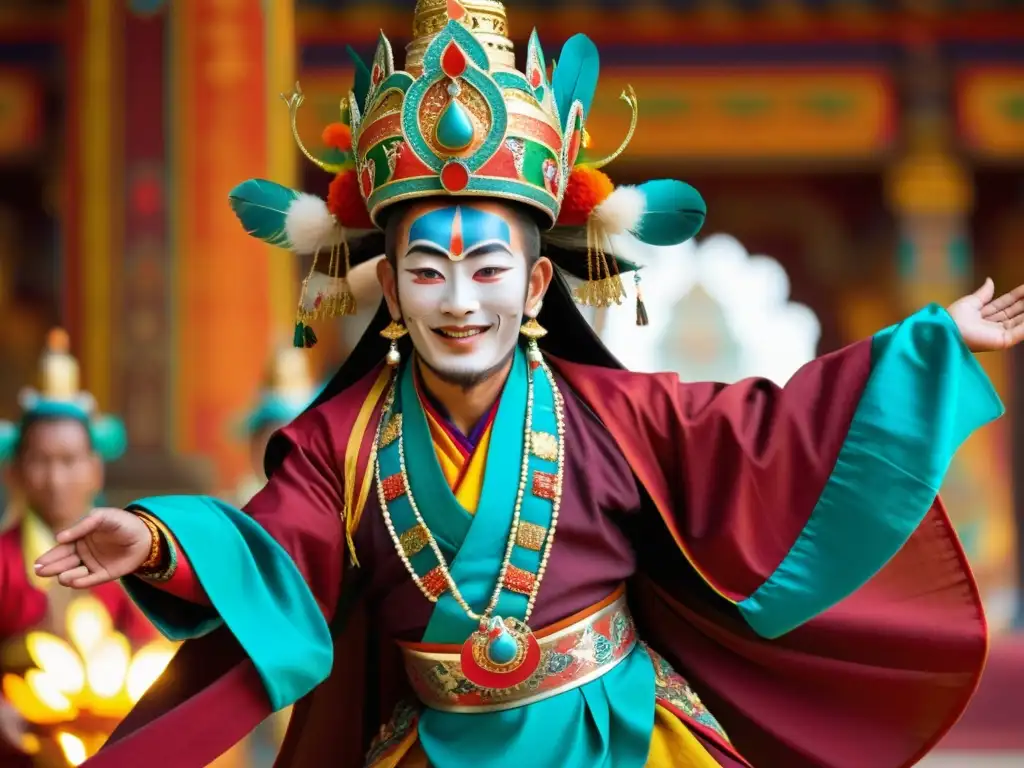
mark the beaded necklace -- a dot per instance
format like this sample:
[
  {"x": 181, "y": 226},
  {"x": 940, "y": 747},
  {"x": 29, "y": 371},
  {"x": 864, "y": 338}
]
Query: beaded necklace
[{"x": 501, "y": 653}]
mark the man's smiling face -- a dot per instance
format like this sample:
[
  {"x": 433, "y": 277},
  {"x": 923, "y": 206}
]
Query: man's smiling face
[{"x": 461, "y": 281}]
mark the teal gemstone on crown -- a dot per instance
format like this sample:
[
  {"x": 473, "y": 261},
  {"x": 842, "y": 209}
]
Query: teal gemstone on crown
[
  {"x": 503, "y": 648},
  {"x": 455, "y": 127}
]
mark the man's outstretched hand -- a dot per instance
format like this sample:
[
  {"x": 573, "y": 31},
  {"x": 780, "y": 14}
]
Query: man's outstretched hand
[
  {"x": 988, "y": 324},
  {"x": 103, "y": 546}
]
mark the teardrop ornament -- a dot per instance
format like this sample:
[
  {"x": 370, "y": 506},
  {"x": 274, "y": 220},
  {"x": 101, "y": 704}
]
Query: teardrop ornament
[
  {"x": 502, "y": 648},
  {"x": 454, "y": 129},
  {"x": 453, "y": 60}
]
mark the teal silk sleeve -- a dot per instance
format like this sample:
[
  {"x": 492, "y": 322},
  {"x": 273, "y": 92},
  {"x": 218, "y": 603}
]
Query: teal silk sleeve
[
  {"x": 254, "y": 587},
  {"x": 925, "y": 394}
]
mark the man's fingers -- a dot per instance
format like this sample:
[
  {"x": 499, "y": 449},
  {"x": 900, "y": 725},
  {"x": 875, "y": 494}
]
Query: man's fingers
[
  {"x": 64, "y": 564},
  {"x": 68, "y": 578},
  {"x": 92, "y": 580},
  {"x": 985, "y": 293},
  {"x": 1014, "y": 335},
  {"x": 82, "y": 528},
  {"x": 57, "y": 553},
  {"x": 1003, "y": 303},
  {"x": 1006, "y": 313}
]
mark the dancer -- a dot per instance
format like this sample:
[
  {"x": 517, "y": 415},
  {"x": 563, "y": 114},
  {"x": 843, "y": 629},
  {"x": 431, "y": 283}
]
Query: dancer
[{"x": 485, "y": 544}]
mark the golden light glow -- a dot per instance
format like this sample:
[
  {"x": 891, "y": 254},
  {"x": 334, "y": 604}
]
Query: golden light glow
[
  {"x": 30, "y": 744},
  {"x": 46, "y": 689},
  {"x": 95, "y": 676},
  {"x": 148, "y": 664},
  {"x": 58, "y": 660},
  {"x": 33, "y": 708},
  {"x": 73, "y": 747},
  {"x": 106, "y": 668},
  {"x": 88, "y": 623}
]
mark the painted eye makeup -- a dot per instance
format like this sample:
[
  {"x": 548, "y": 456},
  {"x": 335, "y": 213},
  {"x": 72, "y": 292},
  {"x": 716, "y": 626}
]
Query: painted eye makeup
[
  {"x": 426, "y": 275},
  {"x": 489, "y": 274}
]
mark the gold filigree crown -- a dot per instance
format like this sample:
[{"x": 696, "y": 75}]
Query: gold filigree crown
[{"x": 461, "y": 119}]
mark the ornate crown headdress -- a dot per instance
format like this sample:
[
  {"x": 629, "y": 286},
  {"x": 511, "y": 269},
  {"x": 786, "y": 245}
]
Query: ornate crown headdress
[
  {"x": 461, "y": 120},
  {"x": 58, "y": 397}
]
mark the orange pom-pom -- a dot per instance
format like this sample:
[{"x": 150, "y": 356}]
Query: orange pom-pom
[
  {"x": 587, "y": 189},
  {"x": 346, "y": 202},
  {"x": 338, "y": 136}
]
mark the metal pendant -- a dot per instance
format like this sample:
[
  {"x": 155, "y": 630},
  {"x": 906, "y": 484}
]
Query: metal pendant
[{"x": 502, "y": 653}]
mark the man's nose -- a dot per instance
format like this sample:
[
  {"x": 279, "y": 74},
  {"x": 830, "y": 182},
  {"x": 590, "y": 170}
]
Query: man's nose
[
  {"x": 56, "y": 477},
  {"x": 461, "y": 299}
]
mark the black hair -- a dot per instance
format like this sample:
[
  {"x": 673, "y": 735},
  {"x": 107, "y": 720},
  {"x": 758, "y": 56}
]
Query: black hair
[
  {"x": 30, "y": 420},
  {"x": 524, "y": 216}
]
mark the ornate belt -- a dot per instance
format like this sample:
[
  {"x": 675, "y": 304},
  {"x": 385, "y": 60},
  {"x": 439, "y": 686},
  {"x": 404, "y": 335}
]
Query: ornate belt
[{"x": 574, "y": 652}]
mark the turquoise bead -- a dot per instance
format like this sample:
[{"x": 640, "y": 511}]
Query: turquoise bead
[
  {"x": 455, "y": 127},
  {"x": 503, "y": 648}
]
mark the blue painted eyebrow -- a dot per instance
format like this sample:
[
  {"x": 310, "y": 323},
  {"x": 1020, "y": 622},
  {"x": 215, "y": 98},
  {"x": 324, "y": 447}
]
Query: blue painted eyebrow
[{"x": 458, "y": 230}]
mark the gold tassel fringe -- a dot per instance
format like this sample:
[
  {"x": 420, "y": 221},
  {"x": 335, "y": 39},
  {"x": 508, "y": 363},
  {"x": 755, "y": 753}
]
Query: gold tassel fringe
[
  {"x": 603, "y": 286},
  {"x": 338, "y": 302}
]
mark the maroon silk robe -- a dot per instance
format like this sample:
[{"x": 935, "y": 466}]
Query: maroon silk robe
[{"x": 874, "y": 681}]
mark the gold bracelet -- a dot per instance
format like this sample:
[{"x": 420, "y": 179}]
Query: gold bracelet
[
  {"x": 167, "y": 558},
  {"x": 152, "y": 562}
]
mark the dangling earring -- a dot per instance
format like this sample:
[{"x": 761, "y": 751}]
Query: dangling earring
[
  {"x": 532, "y": 331},
  {"x": 393, "y": 333}
]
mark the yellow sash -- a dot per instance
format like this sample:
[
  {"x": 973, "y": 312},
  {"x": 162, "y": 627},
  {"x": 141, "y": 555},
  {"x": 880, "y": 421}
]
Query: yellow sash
[{"x": 36, "y": 540}]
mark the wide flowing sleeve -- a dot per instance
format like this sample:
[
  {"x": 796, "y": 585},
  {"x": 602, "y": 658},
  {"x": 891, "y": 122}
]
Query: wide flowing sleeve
[
  {"x": 272, "y": 571},
  {"x": 786, "y": 500}
]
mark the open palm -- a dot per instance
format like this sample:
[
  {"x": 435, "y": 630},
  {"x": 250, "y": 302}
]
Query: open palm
[
  {"x": 988, "y": 324},
  {"x": 105, "y": 545}
]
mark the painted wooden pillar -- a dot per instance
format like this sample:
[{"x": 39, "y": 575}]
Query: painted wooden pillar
[
  {"x": 931, "y": 192},
  {"x": 221, "y": 286},
  {"x": 282, "y": 154},
  {"x": 94, "y": 117},
  {"x": 143, "y": 331},
  {"x": 126, "y": 307}
]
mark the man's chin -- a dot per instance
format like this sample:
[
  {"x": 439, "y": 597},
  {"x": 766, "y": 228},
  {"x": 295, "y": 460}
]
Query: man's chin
[
  {"x": 460, "y": 376},
  {"x": 464, "y": 373}
]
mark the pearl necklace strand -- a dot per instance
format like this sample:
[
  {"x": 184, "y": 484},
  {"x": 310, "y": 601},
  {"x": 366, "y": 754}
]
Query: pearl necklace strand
[{"x": 513, "y": 532}]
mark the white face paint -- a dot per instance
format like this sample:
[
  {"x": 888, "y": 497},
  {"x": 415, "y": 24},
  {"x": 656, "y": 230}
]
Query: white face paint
[{"x": 462, "y": 284}]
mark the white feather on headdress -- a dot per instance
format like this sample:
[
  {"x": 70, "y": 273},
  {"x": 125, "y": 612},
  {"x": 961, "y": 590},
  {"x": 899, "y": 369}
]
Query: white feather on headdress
[
  {"x": 310, "y": 226},
  {"x": 621, "y": 211}
]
